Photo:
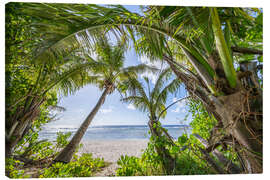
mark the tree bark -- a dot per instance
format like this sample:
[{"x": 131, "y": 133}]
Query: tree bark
[
  {"x": 212, "y": 162},
  {"x": 66, "y": 154},
  {"x": 238, "y": 122},
  {"x": 22, "y": 120},
  {"x": 246, "y": 50}
]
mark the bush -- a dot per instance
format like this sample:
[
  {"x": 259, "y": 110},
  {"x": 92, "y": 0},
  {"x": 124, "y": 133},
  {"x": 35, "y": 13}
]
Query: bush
[
  {"x": 13, "y": 168},
  {"x": 130, "y": 166},
  {"x": 150, "y": 163},
  {"x": 83, "y": 166}
]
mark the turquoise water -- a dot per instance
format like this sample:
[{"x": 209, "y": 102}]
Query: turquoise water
[{"x": 114, "y": 132}]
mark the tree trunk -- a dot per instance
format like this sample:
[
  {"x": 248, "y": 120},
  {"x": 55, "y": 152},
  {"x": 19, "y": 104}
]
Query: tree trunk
[
  {"x": 66, "y": 154},
  {"x": 227, "y": 164},
  {"x": 20, "y": 125},
  {"x": 245, "y": 125},
  {"x": 15, "y": 136}
]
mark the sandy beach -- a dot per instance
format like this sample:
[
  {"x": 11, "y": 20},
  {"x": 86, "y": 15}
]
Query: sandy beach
[{"x": 112, "y": 150}]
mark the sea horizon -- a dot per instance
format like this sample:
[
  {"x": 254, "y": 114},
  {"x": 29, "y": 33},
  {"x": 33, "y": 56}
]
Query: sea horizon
[{"x": 113, "y": 132}]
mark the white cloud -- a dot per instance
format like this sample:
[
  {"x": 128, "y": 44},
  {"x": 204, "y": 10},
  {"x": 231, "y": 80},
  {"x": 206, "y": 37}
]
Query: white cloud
[{"x": 131, "y": 107}]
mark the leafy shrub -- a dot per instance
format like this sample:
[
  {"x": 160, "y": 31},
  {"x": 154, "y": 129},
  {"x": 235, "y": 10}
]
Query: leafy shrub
[
  {"x": 33, "y": 148},
  {"x": 201, "y": 123},
  {"x": 130, "y": 166},
  {"x": 83, "y": 166},
  {"x": 150, "y": 163},
  {"x": 13, "y": 168}
]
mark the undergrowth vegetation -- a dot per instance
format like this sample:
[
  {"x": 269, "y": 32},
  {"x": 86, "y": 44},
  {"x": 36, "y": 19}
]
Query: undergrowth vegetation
[
  {"x": 83, "y": 166},
  {"x": 187, "y": 161},
  {"x": 41, "y": 153}
]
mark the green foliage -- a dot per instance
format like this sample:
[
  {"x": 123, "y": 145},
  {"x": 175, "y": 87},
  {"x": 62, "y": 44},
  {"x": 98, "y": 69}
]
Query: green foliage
[
  {"x": 12, "y": 168},
  {"x": 182, "y": 139},
  {"x": 62, "y": 139},
  {"x": 201, "y": 123},
  {"x": 83, "y": 166},
  {"x": 20, "y": 39},
  {"x": 30, "y": 146},
  {"x": 150, "y": 163},
  {"x": 130, "y": 166}
]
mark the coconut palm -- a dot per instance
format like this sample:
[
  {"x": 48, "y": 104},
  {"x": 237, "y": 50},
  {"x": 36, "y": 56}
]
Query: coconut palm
[
  {"x": 153, "y": 101},
  {"x": 110, "y": 74},
  {"x": 210, "y": 39},
  {"x": 213, "y": 79}
]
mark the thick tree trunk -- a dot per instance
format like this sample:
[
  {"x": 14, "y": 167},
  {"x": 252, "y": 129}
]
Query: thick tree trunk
[
  {"x": 66, "y": 154},
  {"x": 244, "y": 126}
]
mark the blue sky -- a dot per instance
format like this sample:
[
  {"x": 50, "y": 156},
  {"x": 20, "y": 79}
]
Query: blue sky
[{"x": 114, "y": 112}]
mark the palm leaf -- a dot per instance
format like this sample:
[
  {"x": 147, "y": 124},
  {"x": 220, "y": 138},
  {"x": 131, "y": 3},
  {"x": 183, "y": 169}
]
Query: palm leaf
[{"x": 223, "y": 50}]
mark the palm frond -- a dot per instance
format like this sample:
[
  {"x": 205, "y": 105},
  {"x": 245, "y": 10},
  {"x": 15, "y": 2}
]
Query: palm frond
[
  {"x": 139, "y": 102},
  {"x": 141, "y": 68},
  {"x": 163, "y": 77},
  {"x": 72, "y": 79},
  {"x": 135, "y": 88},
  {"x": 172, "y": 87}
]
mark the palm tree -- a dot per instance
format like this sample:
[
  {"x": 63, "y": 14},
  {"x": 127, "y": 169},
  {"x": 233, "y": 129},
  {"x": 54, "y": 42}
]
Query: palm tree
[
  {"x": 110, "y": 74},
  {"x": 213, "y": 79},
  {"x": 153, "y": 101},
  {"x": 210, "y": 39}
]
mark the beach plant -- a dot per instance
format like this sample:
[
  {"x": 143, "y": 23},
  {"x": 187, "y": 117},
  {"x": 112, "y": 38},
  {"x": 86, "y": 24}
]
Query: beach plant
[
  {"x": 129, "y": 166},
  {"x": 13, "y": 168},
  {"x": 202, "y": 123},
  {"x": 81, "y": 166},
  {"x": 34, "y": 152},
  {"x": 214, "y": 41},
  {"x": 187, "y": 162}
]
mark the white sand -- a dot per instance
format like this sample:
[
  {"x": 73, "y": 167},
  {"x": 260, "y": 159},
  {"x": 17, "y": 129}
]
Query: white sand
[{"x": 111, "y": 151}]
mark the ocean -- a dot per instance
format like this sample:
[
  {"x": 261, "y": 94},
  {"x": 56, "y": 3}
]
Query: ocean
[{"x": 130, "y": 132}]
